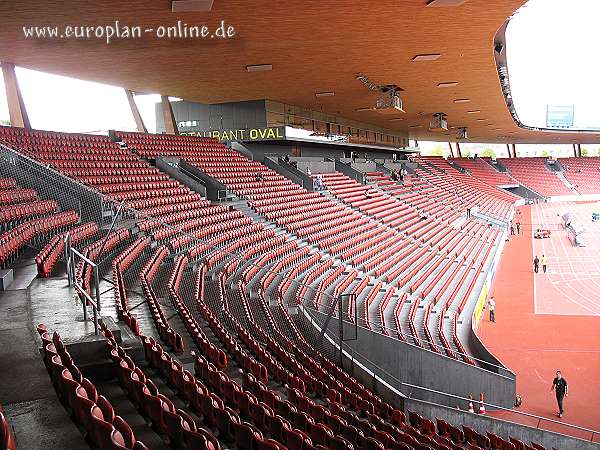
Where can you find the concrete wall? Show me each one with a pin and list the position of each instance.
(226, 116)
(345, 168)
(402, 364)
(165, 164)
(364, 166)
(289, 172)
(213, 188)
(316, 166)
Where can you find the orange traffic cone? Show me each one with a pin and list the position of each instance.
(481, 405)
(471, 409)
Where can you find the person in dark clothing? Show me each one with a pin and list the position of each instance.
(536, 264)
(468, 212)
(559, 385)
(518, 227)
(259, 176)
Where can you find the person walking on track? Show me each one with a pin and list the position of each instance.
(492, 308)
(536, 264)
(544, 262)
(559, 385)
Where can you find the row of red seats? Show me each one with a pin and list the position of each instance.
(147, 275)
(215, 355)
(8, 183)
(178, 425)
(105, 429)
(12, 213)
(13, 240)
(95, 250)
(17, 196)
(122, 262)
(54, 250)
(7, 437)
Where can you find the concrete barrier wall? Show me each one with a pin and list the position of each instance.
(404, 364)
(316, 166)
(163, 163)
(364, 166)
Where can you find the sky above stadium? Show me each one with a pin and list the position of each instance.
(552, 60)
(552, 53)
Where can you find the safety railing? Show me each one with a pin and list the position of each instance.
(72, 255)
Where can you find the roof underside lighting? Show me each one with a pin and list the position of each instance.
(445, 84)
(475, 111)
(395, 119)
(324, 94)
(462, 100)
(259, 67)
(191, 5)
(445, 3)
(426, 57)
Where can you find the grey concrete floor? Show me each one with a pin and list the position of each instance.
(31, 405)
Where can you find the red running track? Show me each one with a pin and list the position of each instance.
(534, 346)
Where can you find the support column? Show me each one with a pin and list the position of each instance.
(514, 150)
(451, 151)
(16, 106)
(579, 150)
(169, 117)
(458, 152)
(135, 112)
(508, 150)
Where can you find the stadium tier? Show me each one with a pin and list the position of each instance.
(208, 289)
(534, 173)
(582, 173)
(483, 169)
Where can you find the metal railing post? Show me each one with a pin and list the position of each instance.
(68, 257)
(97, 283)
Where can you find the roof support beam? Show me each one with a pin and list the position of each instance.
(170, 124)
(458, 152)
(514, 150)
(16, 106)
(451, 151)
(135, 112)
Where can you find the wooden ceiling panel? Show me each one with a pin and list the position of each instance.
(314, 46)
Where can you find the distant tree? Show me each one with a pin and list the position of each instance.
(5, 122)
(545, 154)
(488, 153)
(584, 151)
(466, 154)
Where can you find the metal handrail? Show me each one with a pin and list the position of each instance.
(96, 304)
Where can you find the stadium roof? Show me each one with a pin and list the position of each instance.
(312, 46)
